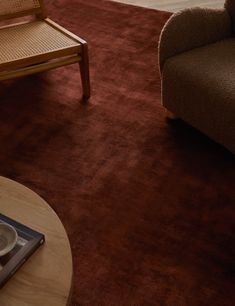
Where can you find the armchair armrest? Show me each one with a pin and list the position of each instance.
(192, 28)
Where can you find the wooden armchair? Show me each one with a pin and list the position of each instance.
(39, 44)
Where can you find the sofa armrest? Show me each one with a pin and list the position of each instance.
(192, 28)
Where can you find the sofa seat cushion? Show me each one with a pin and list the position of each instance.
(199, 86)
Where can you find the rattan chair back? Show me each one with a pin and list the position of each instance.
(16, 8)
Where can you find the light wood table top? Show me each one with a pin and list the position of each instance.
(46, 277)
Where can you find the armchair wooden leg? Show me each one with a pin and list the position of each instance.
(170, 115)
(84, 70)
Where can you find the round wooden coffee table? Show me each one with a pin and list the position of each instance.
(46, 277)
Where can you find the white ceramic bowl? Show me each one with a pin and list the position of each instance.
(8, 238)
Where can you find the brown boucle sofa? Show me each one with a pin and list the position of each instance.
(197, 64)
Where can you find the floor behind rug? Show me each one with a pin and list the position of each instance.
(174, 5)
(148, 205)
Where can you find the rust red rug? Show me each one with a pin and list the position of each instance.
(148, 205)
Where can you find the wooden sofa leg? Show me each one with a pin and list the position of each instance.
(170, 115)
(84, 70)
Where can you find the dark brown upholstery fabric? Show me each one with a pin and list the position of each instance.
(230, 6)
(196, 55)
(198, 86)
(192, 28)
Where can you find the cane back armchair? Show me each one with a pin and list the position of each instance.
(39, 44)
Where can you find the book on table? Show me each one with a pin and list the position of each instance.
(27, 243)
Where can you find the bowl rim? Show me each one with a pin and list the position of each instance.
(11, 245)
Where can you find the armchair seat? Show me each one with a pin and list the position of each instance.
(28, 43)
(203, 81)
(208, 66)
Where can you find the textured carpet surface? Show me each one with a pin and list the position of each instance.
(148, 205)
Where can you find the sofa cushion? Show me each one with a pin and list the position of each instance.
(199, 86)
